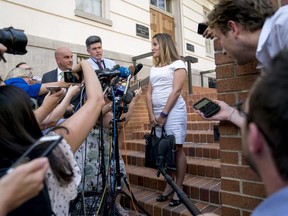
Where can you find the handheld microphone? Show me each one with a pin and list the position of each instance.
(124, 72)
(135, 69)
(138, 68)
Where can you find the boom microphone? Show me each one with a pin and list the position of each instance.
(162, 151)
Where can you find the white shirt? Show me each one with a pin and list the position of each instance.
(59, 77)
(273, 37)
(106, 63)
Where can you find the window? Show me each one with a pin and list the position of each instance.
(90, 6)
(162, 4)
(96, 10)
(208, 42)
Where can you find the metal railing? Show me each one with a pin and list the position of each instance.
(205, 72)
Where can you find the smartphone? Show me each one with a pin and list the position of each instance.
(53, 89)
(201, 28)
(71, 77)
(41, 148)
(207, 107)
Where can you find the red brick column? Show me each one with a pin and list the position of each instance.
(242, 190)
(284, 2)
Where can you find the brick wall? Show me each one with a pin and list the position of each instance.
(242, 190)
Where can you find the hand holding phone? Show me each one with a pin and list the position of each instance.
(71, 77)
(53, 89)
(41, 148)
(207, 107)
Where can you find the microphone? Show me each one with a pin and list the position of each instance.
(138, 68)
(106, 70)
(162, 151)
(122, 72)
(135, 69)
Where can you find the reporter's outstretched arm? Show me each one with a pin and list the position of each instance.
(49, 103)
(60, 110)
(226, 113)
(80, 123)
(23, 183)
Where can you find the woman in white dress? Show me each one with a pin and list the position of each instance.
(166, 106)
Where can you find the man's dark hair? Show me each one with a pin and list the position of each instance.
(21, 63)
(251, 14)
(92, 39)
(268, 108)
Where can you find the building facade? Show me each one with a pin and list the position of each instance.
(125, 26)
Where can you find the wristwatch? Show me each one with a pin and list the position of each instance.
(163, 115)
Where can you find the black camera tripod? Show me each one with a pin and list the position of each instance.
(119, 106)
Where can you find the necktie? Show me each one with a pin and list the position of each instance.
(99, 63)
(61, 75)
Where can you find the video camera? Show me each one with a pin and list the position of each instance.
(14, 39)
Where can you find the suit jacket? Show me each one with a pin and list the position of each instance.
(51, 76)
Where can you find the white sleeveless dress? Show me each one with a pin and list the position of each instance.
(161, 79)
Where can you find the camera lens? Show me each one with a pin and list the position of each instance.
(14, 39)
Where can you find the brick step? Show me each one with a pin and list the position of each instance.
(199, 188)
(193, 116)
(192, 125)
(201, 125)
(195, 166)
(146, 198)
(191, 149)
(191, 136)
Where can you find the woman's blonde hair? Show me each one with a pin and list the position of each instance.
(167, 50)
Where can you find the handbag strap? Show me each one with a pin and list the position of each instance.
(163, 132)
(153, 131)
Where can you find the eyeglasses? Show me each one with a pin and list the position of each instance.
(249, 118)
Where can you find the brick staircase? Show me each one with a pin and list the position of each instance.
(202, 180)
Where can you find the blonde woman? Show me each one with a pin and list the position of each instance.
(165, 105)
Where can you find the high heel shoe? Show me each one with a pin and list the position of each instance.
(163, 198)
(174, 202)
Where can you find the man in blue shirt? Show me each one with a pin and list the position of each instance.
(265, 138)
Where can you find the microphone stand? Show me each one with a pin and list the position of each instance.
(116, 107)
(182, 196)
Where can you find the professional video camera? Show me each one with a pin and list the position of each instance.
(14, 39)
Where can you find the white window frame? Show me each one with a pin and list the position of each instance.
(101, 18)
(166, 2)
(209, 45)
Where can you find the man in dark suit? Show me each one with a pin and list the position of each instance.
(64, 60)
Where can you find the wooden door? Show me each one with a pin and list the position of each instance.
(161, 23)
